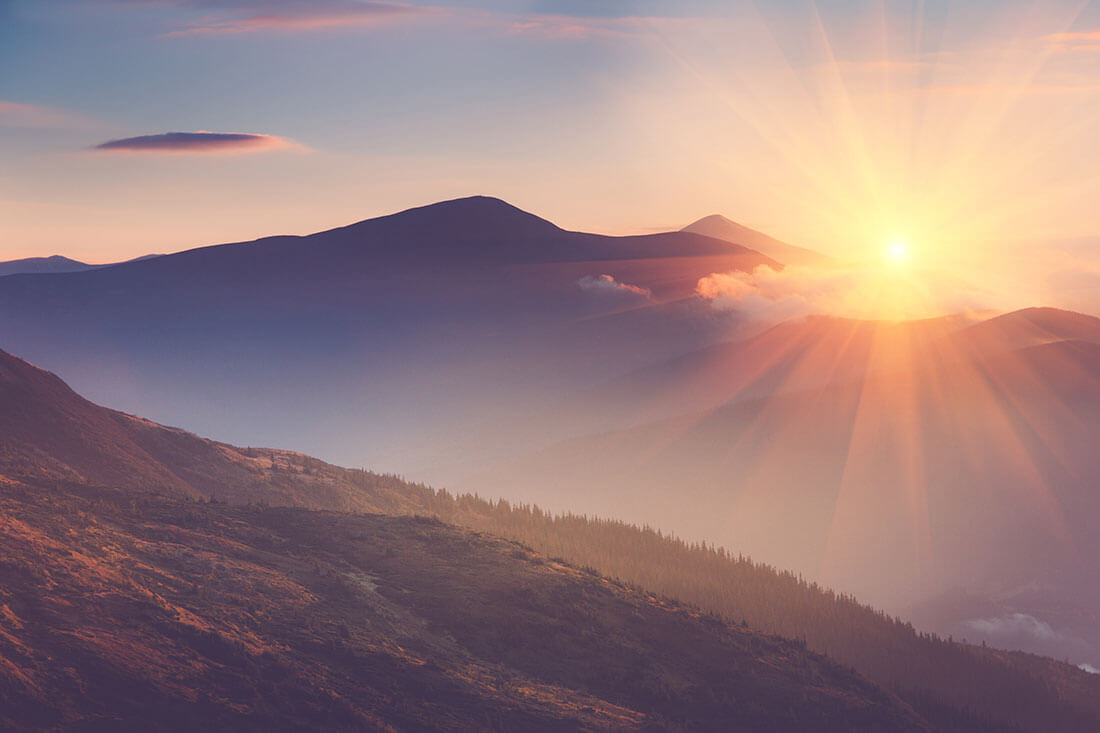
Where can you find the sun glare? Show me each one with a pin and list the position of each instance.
(897, 252)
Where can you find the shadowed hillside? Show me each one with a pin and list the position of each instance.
(119, 614)
(172, 549)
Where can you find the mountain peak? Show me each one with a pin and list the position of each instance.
(51, 264)
(715, 224)
(469, 217)
(721, 227)
(713, 219)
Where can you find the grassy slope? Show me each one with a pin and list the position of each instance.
(131, 613)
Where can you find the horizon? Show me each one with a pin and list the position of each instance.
(884, 122)
(881, 286)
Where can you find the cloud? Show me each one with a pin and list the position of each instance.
(1088, 668)
(845, 291)
(1075, 40)
(1035, 88)
(769, 294)
(549, 20)
(1015, 624)
(605, 284)
(17, 114)
(201, 142)
(281, 16)
(231, 17)
(565, 27)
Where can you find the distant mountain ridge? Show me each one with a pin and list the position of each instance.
(54, 264)
(459, 305)
(720, 227)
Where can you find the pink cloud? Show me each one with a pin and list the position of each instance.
(1038, 88)
(17, 114)
(201, 142)
(572, 27)
(1092, 36)
(281, 16)
(1075, 41)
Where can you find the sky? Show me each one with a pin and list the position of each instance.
(965, 130)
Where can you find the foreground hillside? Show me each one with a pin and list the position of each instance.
(52, 434)
(119, 613)
(56, 448)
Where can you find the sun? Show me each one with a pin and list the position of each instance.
(897, 252)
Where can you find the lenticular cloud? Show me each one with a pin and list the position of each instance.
(195, 142)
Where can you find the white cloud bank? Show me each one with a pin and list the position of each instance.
(849, 292)
(607, 285)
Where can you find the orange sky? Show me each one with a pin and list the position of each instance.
(961, 129)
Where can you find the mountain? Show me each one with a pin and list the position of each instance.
(137, 607)
(971, 468)
(720, 227)
(375, 335)
(175, 616)
(793, 355)
(812, 352)
(52, 264)
(128, 604)
(1028, 327)
(50, 435)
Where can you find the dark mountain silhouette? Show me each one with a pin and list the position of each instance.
(129, 605)
(720, 227)
(422, 322)
(52, 264)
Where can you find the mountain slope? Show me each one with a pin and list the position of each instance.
(67, 538)
(790, 356)
(965, 473)
(176, 616)
(720, 227)
(120, 609)
(51, 434)
(812, 352)
(1024, 328)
